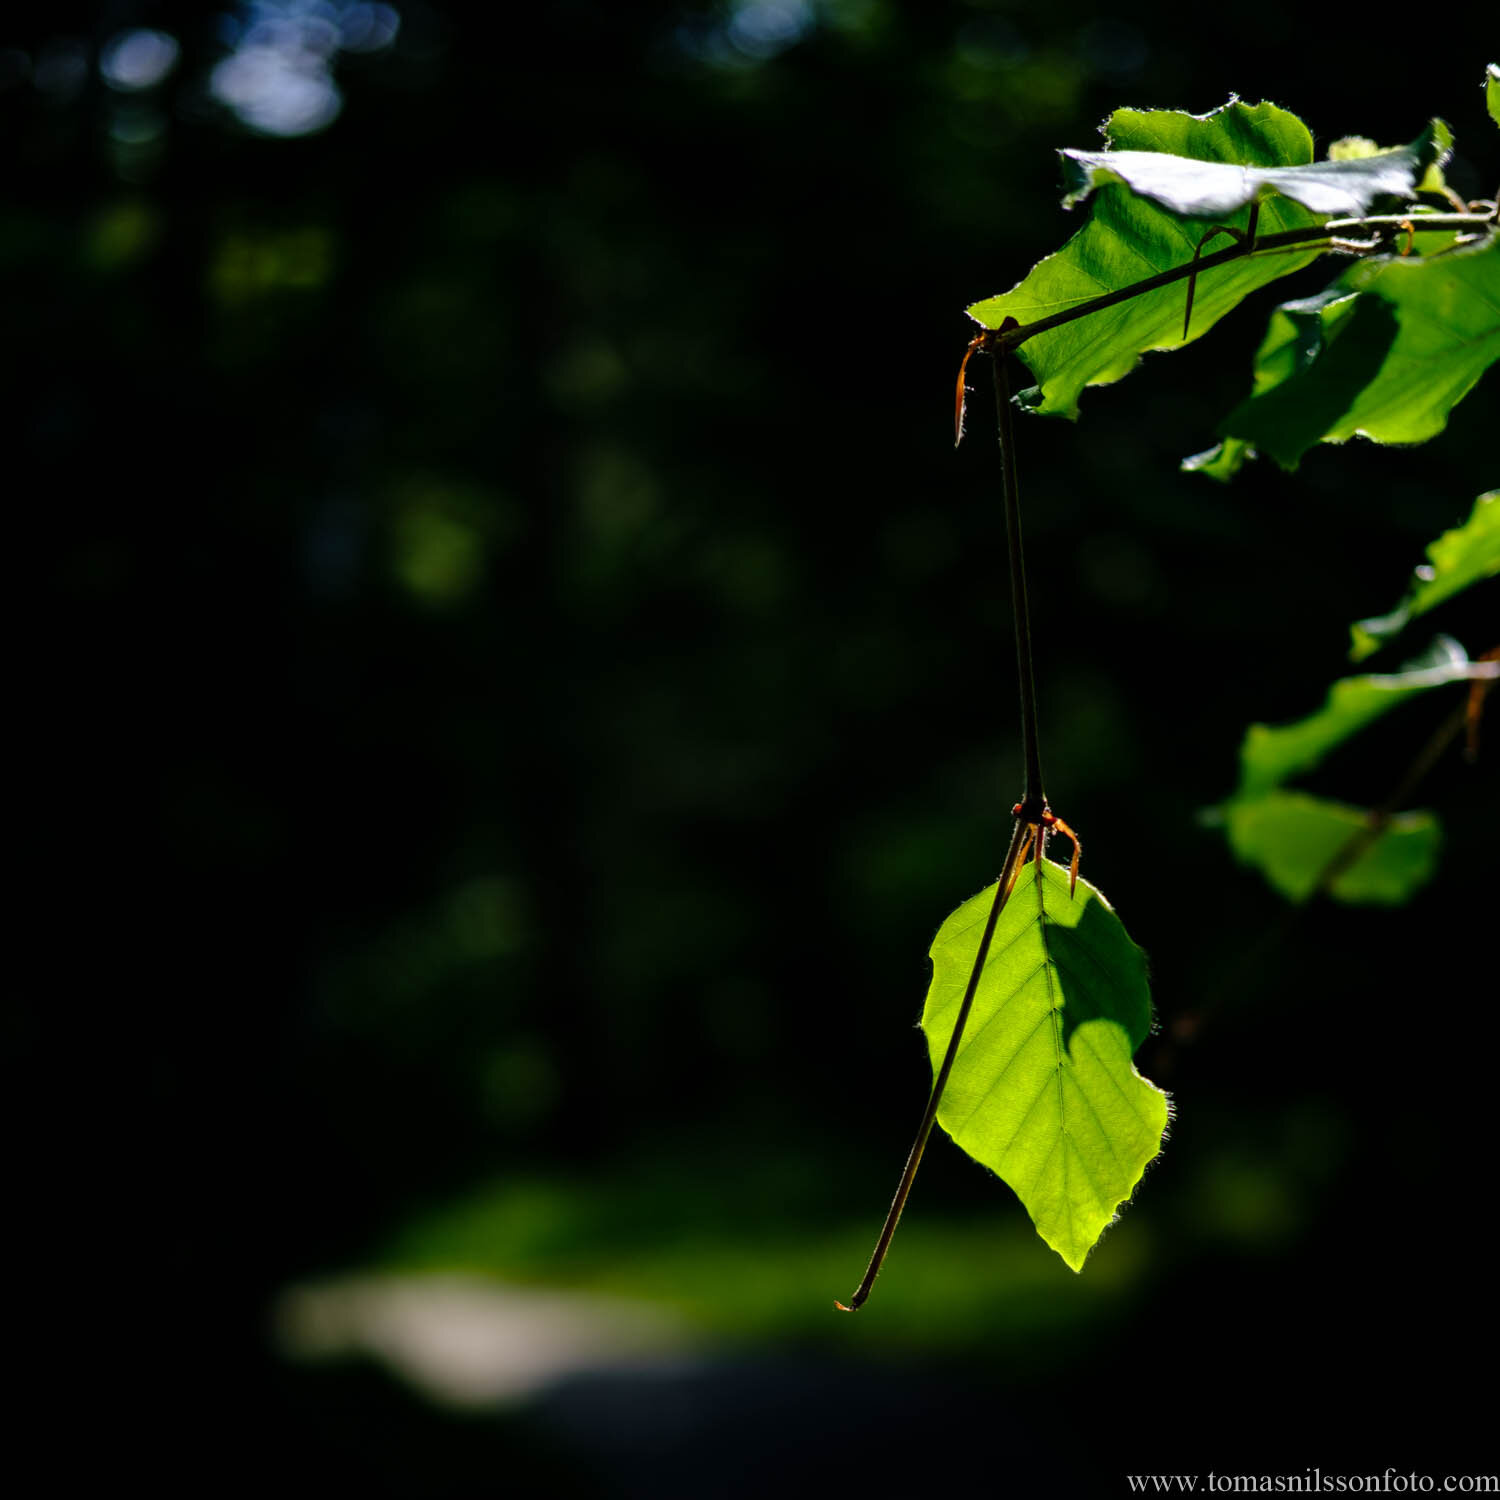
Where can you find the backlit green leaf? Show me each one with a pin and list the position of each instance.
(1492, 91)
(1292, 839)
(1270, 756)
(1386, 353)
(1129, 238)
(1043, 1090)
(1456, 560)
(1348, 187)
(1318, 355)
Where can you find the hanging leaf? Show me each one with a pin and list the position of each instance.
(1129, 238)
(1043, 1090)
(1346, 188)
(1270, 756)
(1492, 91)
(1293, 838)
(1456, 560)
(1385, 353)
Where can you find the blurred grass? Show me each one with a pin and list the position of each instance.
(735, 1266)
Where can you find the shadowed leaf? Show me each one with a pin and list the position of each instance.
(1333, 366)
(1319, 354)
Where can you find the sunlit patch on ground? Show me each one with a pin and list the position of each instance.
(468, 1342)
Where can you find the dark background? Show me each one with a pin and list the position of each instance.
(521, 676)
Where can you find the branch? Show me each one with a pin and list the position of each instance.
(1010, 339)
(1034, 799)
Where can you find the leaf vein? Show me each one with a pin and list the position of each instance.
(1021, 1046)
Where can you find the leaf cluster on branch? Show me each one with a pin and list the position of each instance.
(1039, 998)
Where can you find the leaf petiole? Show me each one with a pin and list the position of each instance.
(1015, 856)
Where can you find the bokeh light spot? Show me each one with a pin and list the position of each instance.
(138, 59)
(121, 235)
(438, 558)
(762, 28)
(250, 266)
(485, 918)
(278, 79)
(278, 91)
(367, 28)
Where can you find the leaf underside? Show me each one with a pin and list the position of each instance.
(1129, 238)
(1456, 560)
(1043, 1090)
(1348, 187)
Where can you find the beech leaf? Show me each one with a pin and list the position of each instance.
(1043, 1090)
(1292, 838)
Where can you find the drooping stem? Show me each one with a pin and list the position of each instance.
(1027, 825)
(1034, 800)
(1019, 842)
